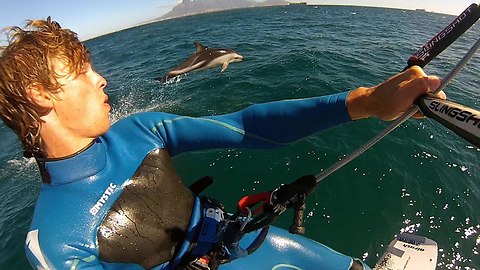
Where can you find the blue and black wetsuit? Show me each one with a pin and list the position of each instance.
(118, 203)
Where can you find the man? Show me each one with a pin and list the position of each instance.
(111, 198)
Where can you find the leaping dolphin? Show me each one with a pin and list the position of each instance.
(204, 58)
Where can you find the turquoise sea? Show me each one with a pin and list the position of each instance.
(422, 178)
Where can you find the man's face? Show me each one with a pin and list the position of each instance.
(81, 105)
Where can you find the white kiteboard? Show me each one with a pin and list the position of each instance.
(409, 252)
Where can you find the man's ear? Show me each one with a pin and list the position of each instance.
(40, 96)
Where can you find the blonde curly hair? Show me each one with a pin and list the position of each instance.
(27, 62)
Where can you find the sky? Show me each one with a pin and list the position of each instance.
(91, 18)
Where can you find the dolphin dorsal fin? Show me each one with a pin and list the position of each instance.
(199, 47)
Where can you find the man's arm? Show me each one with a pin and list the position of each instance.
(282, 122)
(263, 125)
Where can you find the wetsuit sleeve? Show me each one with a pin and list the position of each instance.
(264, 125)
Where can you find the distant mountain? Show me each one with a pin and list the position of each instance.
(191, 7)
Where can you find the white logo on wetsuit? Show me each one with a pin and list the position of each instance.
(103, 199)
(215, 214)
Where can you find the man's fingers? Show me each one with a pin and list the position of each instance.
(442, 95)
(422, 85)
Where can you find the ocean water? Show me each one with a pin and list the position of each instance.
(422, 178)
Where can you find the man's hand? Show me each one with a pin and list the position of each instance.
(390, 99)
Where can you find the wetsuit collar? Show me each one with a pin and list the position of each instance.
(83, 164)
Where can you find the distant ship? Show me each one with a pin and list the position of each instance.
(298, 3)
(420, 9)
